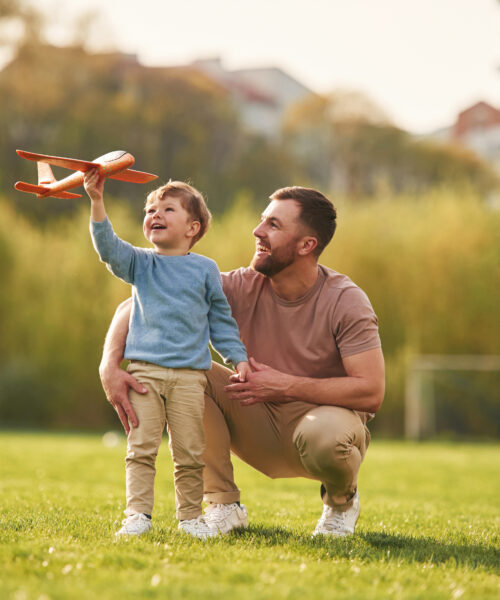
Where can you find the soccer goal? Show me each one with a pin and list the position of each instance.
(469, 377)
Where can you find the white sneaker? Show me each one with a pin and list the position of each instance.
(226, 517)
(135, 525)
(198, 528)
(334, 522)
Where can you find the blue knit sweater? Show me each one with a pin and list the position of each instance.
(178, 304)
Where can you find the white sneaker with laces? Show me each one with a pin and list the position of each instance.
(198, 528)
(226, 517)
(334, 522)
(135, 525)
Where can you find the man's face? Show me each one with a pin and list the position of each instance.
(276, 236)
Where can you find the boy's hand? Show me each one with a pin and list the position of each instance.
(243, 369)
(94, 185)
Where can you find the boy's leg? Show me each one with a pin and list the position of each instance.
(184, 408)
(143, 441)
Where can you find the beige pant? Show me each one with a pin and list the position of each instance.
(294, 439)
(175, 398)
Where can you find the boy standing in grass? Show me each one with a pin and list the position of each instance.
(178, 306)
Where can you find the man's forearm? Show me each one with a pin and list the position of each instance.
(115, 381)
(361, 389)
(114, 344)
(348, 392)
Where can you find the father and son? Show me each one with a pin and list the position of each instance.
(303, 339)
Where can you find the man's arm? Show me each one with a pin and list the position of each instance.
(362, 389)
(115, 381)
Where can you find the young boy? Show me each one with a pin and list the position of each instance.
(178, 306)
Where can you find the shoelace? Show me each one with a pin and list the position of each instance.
(332, 520)
(218, 512)
(131, 519)
(198, 523)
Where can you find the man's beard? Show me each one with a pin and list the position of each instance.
(272, 264)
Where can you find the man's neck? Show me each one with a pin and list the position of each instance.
(294, 281)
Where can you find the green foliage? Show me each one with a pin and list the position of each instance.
(355, 154)
(429, 265)
(421, 535)
(178, 123)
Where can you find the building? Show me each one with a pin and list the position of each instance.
(261, 95)
(477, 128)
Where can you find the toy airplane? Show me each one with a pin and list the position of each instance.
(114, 165)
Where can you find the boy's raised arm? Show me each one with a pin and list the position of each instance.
(94, 186)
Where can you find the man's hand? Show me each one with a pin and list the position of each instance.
(264, 384)
(116, 383)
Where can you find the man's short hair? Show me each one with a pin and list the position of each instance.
(317, 213)
(191, 200)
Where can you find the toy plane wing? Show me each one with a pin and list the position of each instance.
(59, 161)
(134, 176)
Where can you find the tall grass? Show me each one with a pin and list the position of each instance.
(430, 265)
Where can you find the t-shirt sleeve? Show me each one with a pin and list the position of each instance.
(355, 324)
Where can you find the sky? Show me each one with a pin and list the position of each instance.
(421, 61)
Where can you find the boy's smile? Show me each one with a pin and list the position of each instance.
(168, 226)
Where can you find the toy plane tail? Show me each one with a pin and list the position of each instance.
(45, 174)
(41, 190)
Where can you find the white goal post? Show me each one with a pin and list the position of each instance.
(420, 410)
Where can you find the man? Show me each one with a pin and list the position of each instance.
(318, 369)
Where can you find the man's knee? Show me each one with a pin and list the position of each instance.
(329, 434)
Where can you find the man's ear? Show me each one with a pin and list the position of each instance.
(194, 229)
(307, 245)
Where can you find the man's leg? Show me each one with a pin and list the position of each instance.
(251, 432)
(332, 442)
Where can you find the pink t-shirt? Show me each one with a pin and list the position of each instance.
(305, 337)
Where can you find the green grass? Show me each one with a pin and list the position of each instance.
(428, 529)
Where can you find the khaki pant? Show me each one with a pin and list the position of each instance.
(175, 398)
(294, 439)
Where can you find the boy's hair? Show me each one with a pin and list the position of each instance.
(317, 213)
(191, 200)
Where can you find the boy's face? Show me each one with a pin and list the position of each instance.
(168, 226)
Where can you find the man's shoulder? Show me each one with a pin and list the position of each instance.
(242, 281)
(337, 282)
(243, 274)
(342, 292)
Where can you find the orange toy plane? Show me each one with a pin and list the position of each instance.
(114, 165)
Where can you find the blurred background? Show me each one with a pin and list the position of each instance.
(392, 109)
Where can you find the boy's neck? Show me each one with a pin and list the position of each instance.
(171, 251)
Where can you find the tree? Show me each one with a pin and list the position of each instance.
(178, 123)
(350, 147)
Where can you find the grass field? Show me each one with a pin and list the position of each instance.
(429, 528)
